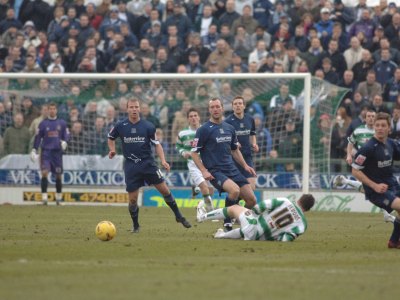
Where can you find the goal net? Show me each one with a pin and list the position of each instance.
(294, 116)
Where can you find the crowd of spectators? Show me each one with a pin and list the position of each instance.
(352, 47)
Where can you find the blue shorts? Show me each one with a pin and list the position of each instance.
(384, 200)
(138, 175)
(51, 160)
(246, 174)
(221, 177)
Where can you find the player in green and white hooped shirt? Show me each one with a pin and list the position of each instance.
(184, 146)
(356, 140)
(276, 219)
(360, 135)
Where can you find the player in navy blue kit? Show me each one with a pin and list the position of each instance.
(217, 144)
(373, 167)
(51, 137)
(140, 167)
(246, 133)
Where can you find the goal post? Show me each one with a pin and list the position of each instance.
(286, 155)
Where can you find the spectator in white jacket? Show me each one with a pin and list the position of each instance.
(353, 54)
(259, 54)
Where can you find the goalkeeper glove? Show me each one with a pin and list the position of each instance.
(34, 155)
(64, 145)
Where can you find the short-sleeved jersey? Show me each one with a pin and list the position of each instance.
(360, 136)
(375, 160)
(50, 133)
(136, 139)
(185, 140)
(214, 142)
(279, 219)
(244, 128)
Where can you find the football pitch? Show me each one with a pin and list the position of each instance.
(52, 253)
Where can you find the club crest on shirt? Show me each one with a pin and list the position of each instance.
(360, 159)
(221, 130)
(133, 130)
(58, 127)
(386, 151)
(241, 125)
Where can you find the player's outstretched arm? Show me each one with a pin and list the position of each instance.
(264, 205)
(253, 142)
(160, 153)
(111, 148)
(196, 158)
(349, 156)
(287, 237)
(237, 155)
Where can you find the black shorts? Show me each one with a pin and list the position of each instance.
(221, 177)
(138, 175)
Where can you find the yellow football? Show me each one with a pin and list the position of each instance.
(105, 231)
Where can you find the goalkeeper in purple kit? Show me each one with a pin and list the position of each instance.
(51, 138)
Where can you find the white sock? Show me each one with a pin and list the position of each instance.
(44, 197)
(58, 196)
(388, 217)
(208, 202)
(217, 214)
(353, 183)
(233, 234)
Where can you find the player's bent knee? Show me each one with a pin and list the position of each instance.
(133, 197)
(234, 193)
(235, 211)
(250, 203)
(133, 201)
(163, 188)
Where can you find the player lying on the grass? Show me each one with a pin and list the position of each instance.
(137, 137)
(360, 136)
(276, 219)
(184, 145)
(373, 166)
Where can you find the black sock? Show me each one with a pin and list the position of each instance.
(58, 185)
(134, 211)
(172, 204)
(43, 184)
(396, 230)
(228, 202)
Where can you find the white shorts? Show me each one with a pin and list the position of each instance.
(195, 173)
(249, 230)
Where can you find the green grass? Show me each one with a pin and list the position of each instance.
(52, 253)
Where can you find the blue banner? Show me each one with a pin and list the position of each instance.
(70, 177)
(174, 179)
